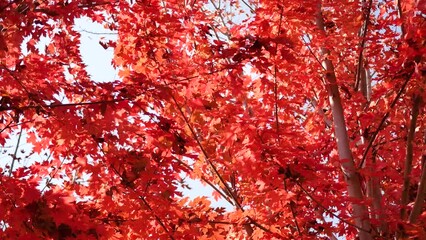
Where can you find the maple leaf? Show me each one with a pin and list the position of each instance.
(229, 93)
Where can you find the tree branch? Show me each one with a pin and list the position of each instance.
(409, 155)
(312, 53)
(401, 17)
(208, 182)
(51, 176)
(374, 192)
(213, 167)
(421, 194)
(382, 122)
(363, 34)
(7, 126)
(293, 212)
(58, 105)
(156, 217)
(14, 154)
(329, 211)
(6, 6)
(249, 6)
(206, 155)
(277, 125)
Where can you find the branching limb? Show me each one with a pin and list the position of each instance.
(382, 122)
(206, 155)
(7, 126)
(401, 16)
(214, 169)
(145, 202)
(312, 52)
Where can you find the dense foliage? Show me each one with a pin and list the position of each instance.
(307, 116)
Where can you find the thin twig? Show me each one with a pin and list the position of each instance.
(216, 172)
(401, 17)
(93, 4)
(6, 127)
(58, 105)
(249, 6)
(293, 212)
(327, 210)
(158, 219)
(51, 176)
(312, 53)
(208, 182)
(98, 33)
(16, 152)
(277, 125)
(382, 122)
(17, 80)
(7, 5)
(221, 18)
(206, 155)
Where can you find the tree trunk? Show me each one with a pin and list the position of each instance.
(351, 176)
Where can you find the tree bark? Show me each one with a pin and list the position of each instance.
(365, 83)
(350, 173)
(409, 156)
(420, 198)
(375, 194)
(421, 191)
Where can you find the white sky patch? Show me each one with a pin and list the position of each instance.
(198, 189)
(97, 59)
